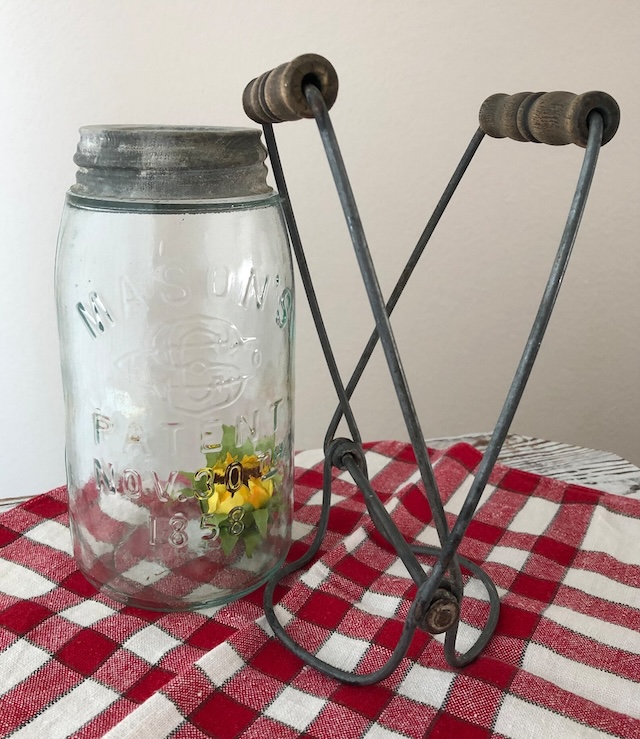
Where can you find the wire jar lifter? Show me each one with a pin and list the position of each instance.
(307, 87)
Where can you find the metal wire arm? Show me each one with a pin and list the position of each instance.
(307, 87)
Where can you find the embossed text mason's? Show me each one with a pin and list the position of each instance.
(175, 303)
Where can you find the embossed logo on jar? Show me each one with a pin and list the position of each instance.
(198, 365)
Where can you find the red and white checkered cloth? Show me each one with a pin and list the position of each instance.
(564, 661)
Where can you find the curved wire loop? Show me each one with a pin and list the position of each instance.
(385, 525)
(348, 453)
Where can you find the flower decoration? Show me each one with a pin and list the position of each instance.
(237, 491)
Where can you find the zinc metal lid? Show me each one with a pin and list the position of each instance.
(169, 163)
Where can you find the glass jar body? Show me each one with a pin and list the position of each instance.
(176, 334)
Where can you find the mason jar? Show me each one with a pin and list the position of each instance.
(175, 301)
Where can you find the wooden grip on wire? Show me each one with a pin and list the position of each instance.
(555, 118)
(278, 95)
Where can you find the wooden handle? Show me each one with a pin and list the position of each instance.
(554, 118)
(278, 95)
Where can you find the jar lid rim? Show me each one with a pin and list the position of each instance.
(163, 127)
(129, 161)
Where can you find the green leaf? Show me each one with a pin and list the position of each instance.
(213, 458)
(187, 493)
(201, 485)
(228, 445)
(261, 517)
(247, 519)
(266, 444)
(245, 450)
(216, 518)
(227, 542)
(251, 541)
(276, 501)
(228, 438)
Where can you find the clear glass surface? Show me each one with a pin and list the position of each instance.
(176, 334)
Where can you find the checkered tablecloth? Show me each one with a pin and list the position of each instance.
(564, 661)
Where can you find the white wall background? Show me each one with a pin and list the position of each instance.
(413, 75)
